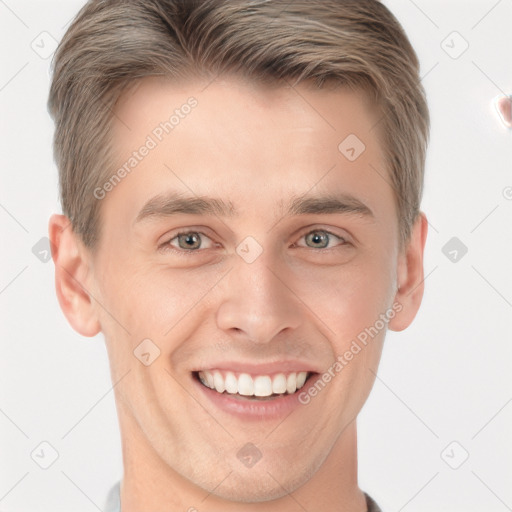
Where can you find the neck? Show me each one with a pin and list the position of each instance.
(150, 484)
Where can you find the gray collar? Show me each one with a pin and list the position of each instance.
(113, 503)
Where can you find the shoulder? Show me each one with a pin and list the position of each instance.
(113, 501)
(371, 505)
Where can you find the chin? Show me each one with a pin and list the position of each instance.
(261, 487)
(255, 492)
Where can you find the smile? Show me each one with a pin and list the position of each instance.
(245, 384)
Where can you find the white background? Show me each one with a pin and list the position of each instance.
(445, 379)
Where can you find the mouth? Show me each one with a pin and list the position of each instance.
(246, 386)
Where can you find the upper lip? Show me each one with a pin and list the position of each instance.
(267, 368)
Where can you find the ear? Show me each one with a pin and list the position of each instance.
(410, 276)
(71, 271)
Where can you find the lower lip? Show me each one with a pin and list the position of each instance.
(254, 409)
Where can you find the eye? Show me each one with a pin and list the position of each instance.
(322, 239)
(194, 241)
(189, 241)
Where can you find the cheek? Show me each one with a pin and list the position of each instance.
(349, 298)
(152, 300)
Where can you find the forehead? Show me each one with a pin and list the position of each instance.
(256, 145)
(249, 104)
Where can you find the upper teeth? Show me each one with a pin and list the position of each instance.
(248, 385)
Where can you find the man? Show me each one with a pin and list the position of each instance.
(241, 183)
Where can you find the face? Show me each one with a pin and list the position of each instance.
(251, 245)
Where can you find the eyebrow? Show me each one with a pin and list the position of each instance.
(173, 203)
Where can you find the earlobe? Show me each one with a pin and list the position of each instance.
(71, 271)
(410, 276)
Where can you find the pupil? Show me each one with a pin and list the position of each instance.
(318, 238)
(191, 240)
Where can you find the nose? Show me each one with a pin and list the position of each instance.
(257, 303)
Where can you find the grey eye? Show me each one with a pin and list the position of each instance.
(190, 240)
(319, 239)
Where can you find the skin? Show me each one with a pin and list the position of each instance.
(255, 147)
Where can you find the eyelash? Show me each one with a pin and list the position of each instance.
(167, 247)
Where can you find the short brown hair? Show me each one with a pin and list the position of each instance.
(113, 43)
